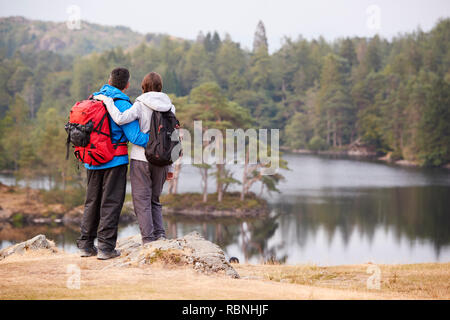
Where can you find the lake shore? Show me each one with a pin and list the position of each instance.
(21, 206)
(37, 275)
(360, 154)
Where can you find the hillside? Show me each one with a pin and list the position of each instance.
(19, 33)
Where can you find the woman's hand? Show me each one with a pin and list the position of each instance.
(105, 99)
(169, 176)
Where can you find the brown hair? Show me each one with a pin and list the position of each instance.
(152, 82)
(119, 78)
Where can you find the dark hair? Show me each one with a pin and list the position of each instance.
(119, 78)
(152, 82)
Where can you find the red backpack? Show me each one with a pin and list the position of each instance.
(89, 131)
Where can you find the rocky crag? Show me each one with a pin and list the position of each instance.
(192, 250)
(39, 242)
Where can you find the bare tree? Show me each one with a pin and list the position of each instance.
(173, 184)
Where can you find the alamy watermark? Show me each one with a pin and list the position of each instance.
(374, 281)
(238, 146)
(373, 21)
(73, 277)
(73, 22)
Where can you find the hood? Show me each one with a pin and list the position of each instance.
(112, 92)
(157, 101)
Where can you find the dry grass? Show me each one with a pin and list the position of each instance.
(44, 276)
(167, 258)
(413, 281)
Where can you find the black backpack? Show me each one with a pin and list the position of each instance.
(164, 145)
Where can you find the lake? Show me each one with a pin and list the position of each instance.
(329, 212)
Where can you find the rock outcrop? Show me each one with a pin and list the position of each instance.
(39, 242)
(192, 249)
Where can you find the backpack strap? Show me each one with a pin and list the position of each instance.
(68, 145)
(120, 147)
(91, 97)
(115, 99)
(120, 143)
(100, 124)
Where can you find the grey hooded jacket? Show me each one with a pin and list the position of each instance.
(142, 110)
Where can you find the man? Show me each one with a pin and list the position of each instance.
(106, 183)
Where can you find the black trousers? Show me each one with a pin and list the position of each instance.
(105, 195)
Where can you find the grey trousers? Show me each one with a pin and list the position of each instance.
(147, 182)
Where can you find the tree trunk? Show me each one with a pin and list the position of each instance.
(339, 134)
(328, 132)
(173, 184)
(205, 184)
(334, 134)
(219, 182)
(262, 190)
(283, 89)
(244, 242)
(172, 227)
(244, 177)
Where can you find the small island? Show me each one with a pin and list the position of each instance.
(22, 206)
(231, 206)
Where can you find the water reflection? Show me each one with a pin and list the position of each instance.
(388, 225)
(329, 212)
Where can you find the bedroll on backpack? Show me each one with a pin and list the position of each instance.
(89, 131)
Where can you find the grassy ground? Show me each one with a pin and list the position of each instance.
(427, 281)
(44, 276)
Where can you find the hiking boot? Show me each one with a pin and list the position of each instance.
(88, 252)
(105, 255)
(161, 237)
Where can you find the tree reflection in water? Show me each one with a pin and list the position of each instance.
(312, 227)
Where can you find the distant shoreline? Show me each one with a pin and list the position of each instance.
(360, 154)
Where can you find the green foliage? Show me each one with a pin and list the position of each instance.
(70, 197)
(434, 126)
(18, 220)
(27, 160)
(15, 127)
(298, 130)
(317, 143)
(391, 96)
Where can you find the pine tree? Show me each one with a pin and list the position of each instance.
(335, 103)
(348, 52)
(260, 38)
(434, 129)
(15, 128)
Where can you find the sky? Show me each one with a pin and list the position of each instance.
(331, 19)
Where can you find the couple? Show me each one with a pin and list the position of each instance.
(106, 183)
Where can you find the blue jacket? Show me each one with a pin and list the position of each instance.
(131, 131)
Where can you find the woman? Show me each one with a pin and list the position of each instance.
(147, 180)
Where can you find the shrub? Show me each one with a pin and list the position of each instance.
(317, 143)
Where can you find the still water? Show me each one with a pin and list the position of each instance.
(329, 212)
